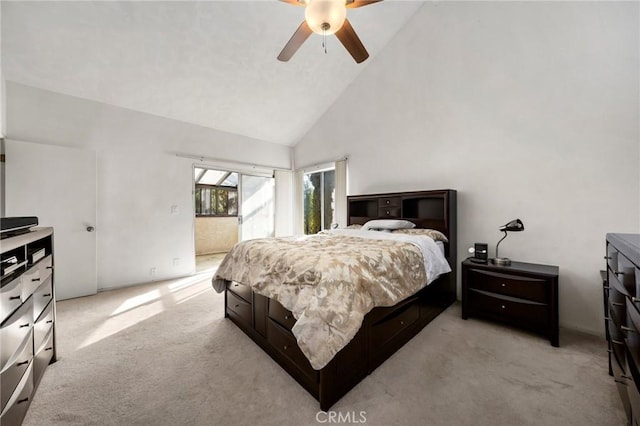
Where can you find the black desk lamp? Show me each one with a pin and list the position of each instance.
(515, 225)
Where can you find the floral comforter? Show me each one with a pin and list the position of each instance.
(331, 280)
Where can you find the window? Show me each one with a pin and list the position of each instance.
(216, 201)
(216, 192)
(319, 200)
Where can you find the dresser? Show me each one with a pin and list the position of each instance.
(622, 318)
(521, 294)
(27, 319)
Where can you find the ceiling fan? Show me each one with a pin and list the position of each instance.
(327, 17)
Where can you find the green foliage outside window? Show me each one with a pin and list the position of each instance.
(318, 192)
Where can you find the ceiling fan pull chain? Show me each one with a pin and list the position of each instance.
(324, 40)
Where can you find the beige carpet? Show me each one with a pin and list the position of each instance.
(163, 354)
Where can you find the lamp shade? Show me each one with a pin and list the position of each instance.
(325, 16)
(515, 225)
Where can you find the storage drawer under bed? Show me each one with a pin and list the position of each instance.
(285, 343)
(281, 315)
(393, 324)
(240, 309)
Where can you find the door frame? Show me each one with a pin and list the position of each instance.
(249, 171)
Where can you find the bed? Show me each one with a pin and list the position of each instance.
(328, 370)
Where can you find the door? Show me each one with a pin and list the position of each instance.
(58, 185)
(257, 199)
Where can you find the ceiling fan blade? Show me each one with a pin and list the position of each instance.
(295, 2)
(302, 33)
(351, 42)
(352, 4)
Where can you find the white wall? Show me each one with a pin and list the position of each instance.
(529, 110)
(3, 122)
(3, 104)
(139, 176)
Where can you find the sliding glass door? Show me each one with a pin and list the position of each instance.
(257, 209)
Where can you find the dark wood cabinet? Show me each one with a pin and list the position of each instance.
(522, 294)
(27, 319)
(621, 289)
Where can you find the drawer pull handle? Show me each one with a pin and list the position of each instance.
(285, 347)
(49, 267)
(607, 318)
(14, 298)
(20, 401)
(609, 350)
(48, 349)
(24, 325)
(620, 381)
(625, 377)
(503, 307)
(388, 212)
(287, 317)
(606, 287)
(46, 295)
(617, 304)
(237, 305)
(503, 285)
(387, 201)
(607, 257)
(635, 299)
(401, 322)
(624, 328)
(49, 322)
(619, 273)
(35, 279)
(22, 363)
(617, 342)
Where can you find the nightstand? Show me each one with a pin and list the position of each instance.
(521, 294)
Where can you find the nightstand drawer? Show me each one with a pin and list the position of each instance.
(509, 285)
(504, 307)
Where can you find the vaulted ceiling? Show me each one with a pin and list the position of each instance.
(210, 63)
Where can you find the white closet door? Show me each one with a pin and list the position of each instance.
(58, 185)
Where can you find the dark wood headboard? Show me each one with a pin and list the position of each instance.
(427, 209)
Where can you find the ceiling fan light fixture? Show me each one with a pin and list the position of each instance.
(325, 16)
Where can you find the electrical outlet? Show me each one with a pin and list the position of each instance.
(176, 261)
(152, 271)
(174, 209)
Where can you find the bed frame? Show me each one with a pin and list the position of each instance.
(384, 330)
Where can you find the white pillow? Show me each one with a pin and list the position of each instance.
(388, 224)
